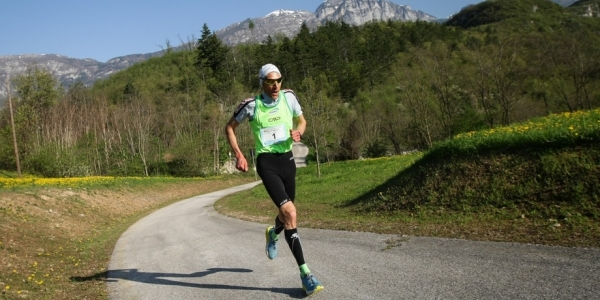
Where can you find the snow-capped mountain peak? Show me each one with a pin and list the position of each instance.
(280, 12)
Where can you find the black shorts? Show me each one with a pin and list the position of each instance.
(278, 174)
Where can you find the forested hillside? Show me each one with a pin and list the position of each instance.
(377, 89)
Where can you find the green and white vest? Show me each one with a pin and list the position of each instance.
(271, 126)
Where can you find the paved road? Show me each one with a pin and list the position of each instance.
(188, 251)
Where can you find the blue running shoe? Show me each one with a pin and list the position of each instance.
(310, 284)
(271, 247)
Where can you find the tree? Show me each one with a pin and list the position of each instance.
(37, 91)
(417, 102)
(251, 26)
(368, 110)
(211, 51)
(379, 48)
(439, 63)
(320, 112)
(500, 75)
(12, 126)
(482, 85)
(303, 48)
(576, 64)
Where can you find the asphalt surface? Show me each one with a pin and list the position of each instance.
(188, 251)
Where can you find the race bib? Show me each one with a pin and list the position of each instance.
(273, 135)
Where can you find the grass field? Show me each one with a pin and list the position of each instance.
(537, 182)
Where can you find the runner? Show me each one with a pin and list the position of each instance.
(271, 116)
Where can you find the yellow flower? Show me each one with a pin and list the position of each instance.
(7, 287)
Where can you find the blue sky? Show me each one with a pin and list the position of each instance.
(104, 29)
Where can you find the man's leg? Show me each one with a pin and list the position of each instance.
(281, 187)
(287, 213)
(278, 225)
(272, 236)
(268, 168)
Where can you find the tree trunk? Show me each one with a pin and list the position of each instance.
(12, 124)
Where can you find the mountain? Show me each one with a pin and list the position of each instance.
(588, 8)
(357, 12)
(286, 22)
(541, 14)
(277, 23)
(66, 69)
(565, 3)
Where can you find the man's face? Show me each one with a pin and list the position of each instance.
(272, 84)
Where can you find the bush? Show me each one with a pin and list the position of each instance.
(52, 161)
(376, 149)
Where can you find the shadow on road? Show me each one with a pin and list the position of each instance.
(160, 278)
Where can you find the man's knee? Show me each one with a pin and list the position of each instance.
(288, 212)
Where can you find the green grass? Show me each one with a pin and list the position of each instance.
(535, 182)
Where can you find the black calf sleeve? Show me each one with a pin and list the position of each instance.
(293, 240)
(278, 225)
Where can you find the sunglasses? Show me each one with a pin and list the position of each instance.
(272, 81)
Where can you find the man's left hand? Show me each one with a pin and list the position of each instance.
(296, 135)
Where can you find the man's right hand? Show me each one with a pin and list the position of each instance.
(241, 164)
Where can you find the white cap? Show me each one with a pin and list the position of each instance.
(265, 70)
